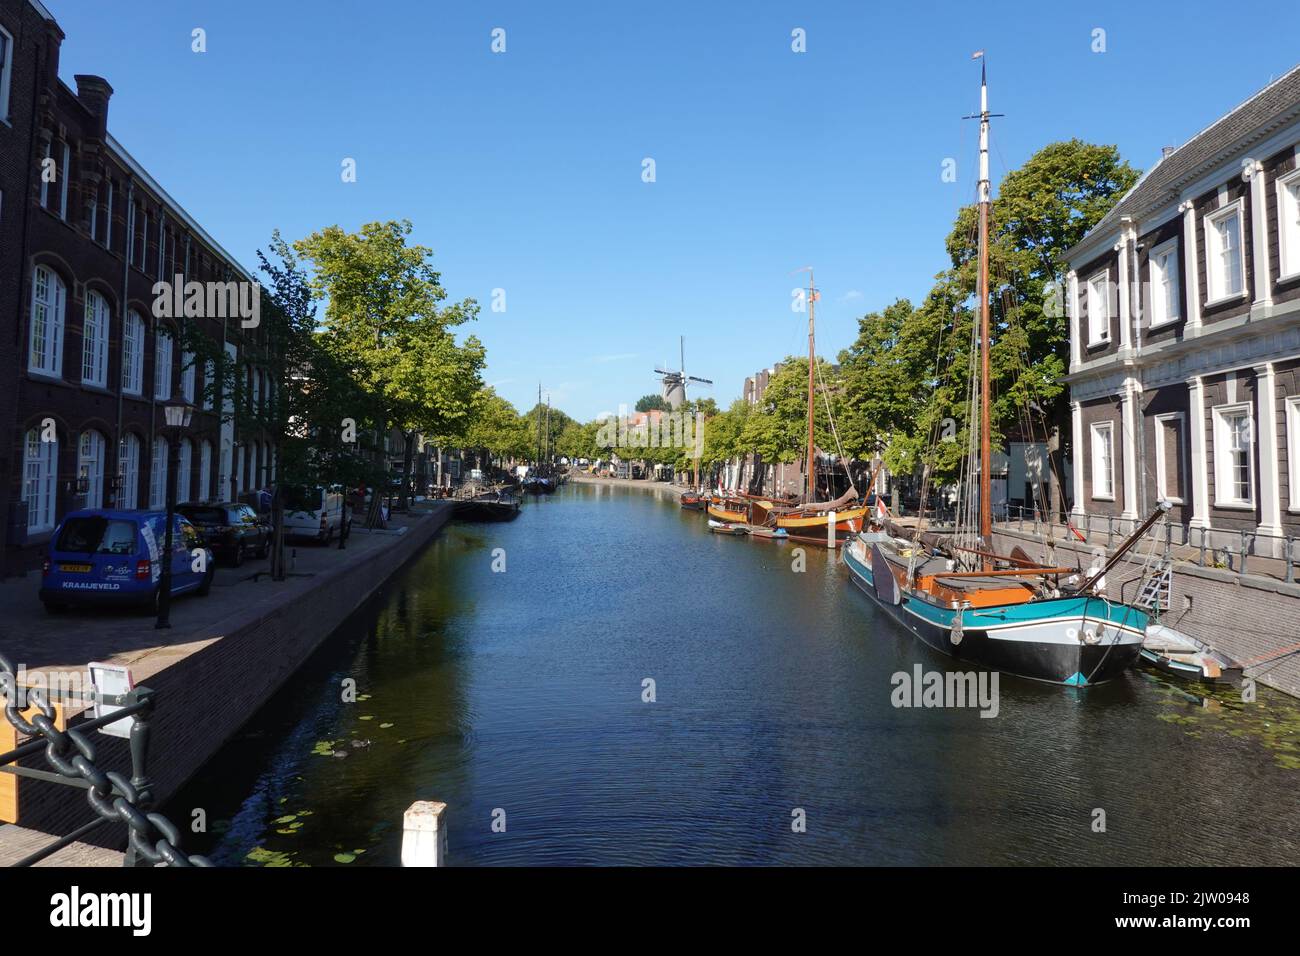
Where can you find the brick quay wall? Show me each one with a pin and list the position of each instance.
(212, 678)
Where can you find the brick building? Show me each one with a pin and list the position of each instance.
(1185, 334)
(91, 364)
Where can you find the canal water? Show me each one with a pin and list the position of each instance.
(518, 697)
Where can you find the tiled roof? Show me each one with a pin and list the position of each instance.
(1271, 107)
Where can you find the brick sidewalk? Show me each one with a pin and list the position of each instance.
(68, 641)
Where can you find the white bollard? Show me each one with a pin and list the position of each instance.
(424, 838)
(830, 531)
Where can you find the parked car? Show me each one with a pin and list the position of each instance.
(316, 513)
(231, 530)
(106, 556)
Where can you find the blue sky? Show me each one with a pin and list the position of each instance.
(522, 170)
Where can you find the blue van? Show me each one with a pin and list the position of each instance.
(105, 556)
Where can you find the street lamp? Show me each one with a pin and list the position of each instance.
(176, 415)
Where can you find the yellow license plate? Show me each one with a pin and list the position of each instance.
(83, 568)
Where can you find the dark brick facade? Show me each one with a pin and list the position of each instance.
(1233, 345)
(102, 232)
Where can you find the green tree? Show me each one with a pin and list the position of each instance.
(386, 323)
(648, 403)
(496, 427)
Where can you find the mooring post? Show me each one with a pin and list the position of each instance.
(424, 838)
(830, 531)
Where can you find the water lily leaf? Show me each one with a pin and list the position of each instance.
(344, 857)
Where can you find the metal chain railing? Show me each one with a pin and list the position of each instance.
(152, 838)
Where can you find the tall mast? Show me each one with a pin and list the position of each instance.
(812, 357)
(982, 292)
(539, 428)
(548, 435)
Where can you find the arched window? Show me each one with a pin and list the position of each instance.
(128, 470)
(162, 364)
(183, 472)
(40, 469)
(133, 354)
(187, 375)
(90, 466)
(205, 470)
(209, 377)
(49, 300)
(94, 341)
(158, 474)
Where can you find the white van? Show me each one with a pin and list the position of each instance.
(313, 513)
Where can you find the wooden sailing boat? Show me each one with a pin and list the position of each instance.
(813, 519)
(1009, 614)
(540, 481)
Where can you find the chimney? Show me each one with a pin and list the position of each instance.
(1167, 151)
(53, 41)
(94, 92)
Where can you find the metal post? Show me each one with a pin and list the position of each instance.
(1110, 531)
(1290, 566)
(165, 582)
(141, 725)
(344, 523)
(1244, 549)
(1202, 530)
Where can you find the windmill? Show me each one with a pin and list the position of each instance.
(674, 383)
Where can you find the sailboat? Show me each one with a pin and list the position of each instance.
(811, 518)
(1007, 613)
(541, 481)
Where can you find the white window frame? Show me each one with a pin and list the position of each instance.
(1098, 332)
(162, 364)
(6, 72)
(158, 473)
(40, 477)
(1171, 311)
(94, 340)
(1215, 283)
(128, 470)
(1293, 453)
(1162, 465)
(90, 462)
(133, 338)
(1095, 430)
(209, 376)
(205, 470)
(1288, 228)
(188, 361)
(45, 355)
(1223, 480)
(183, 471)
